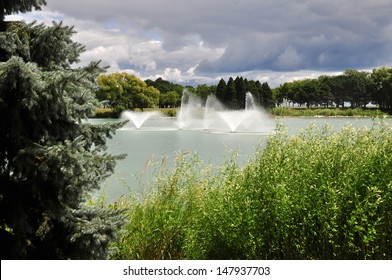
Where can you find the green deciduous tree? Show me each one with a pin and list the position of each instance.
(169, 99)
(357, 87)
(50, 159)
(125, 91)
(165, 86)
(203, 91)
(324, 96)
(382, 81)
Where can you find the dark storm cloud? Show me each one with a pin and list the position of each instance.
(276, 35)
(211, 38)
(308, 36)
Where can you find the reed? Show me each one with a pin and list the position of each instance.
(319, 194)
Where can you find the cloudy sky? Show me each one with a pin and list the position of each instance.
(201, 41)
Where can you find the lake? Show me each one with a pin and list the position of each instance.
(159, 139)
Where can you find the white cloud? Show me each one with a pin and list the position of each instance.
(289, 58)
(203, 40)
(172, 74)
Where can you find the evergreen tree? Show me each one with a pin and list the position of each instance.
(50, 160)
(257, 91)
(8, 7)
(241, 92)
(231, 95)
(221, 90)
(266, 96)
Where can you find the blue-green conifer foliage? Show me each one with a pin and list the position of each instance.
(51, 160)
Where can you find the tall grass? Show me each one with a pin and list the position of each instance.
(319, 194)
(157, 224)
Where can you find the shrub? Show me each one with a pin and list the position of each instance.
(171, 113)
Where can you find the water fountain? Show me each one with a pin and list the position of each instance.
(138, 118)
(189, 113)
(213, 116)
(210, 112)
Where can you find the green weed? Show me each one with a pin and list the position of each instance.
(319, 194)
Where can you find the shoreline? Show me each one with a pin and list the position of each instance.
(327, 117)
(279, 112)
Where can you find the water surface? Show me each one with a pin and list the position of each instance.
(159, 140)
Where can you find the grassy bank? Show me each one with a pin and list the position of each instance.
(326, 112)
(110, 113)
(320, 194)
(278, 111)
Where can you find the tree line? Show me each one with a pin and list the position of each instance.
(124, 91)
(353, 88)
(232, 94)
